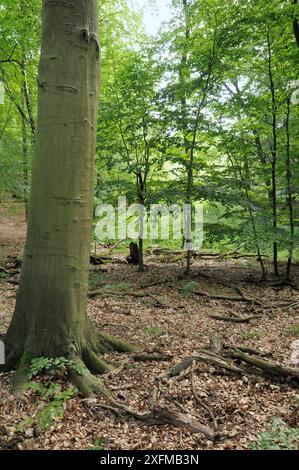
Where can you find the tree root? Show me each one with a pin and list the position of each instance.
(84, 355)
(87, 384)
(95, 363)
(106, 343)
(160, 416)
(21, 379)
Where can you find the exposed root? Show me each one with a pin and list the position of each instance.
(107, 343)
(160, 416)
(21, 378)
(95, 363)
(87, 384)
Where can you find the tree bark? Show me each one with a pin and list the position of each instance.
(290, 192)
(274, 156)
(296, 25)
(141, 191)
(50, 314)
(25, 165)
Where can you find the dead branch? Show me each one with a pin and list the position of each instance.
(185, 364)
(255, 352)
(201, 402)
(159, 416)
(235, 319)
(218, 361)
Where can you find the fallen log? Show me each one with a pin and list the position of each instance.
(267, 366)
(235, 319)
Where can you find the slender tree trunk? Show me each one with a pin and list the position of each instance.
(290, 192)
(274, 158)
(252, 218)
(188, 238)
(141, 189)
(296, 25)
(185, 75)
(50, 313)
(27, 98)
(247, 186)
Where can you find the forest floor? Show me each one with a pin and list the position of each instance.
(165, 313)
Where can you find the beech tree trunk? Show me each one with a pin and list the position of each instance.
(50, 314)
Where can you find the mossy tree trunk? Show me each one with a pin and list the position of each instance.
(50, 313)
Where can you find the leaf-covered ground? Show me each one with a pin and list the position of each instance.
(170, 315)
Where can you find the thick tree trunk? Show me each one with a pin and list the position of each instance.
(50, 314)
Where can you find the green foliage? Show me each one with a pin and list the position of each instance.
(189, 287)
(55, 408)
(294, 330)
(198, 97)
(42, 365)
(252, 335)
(24, 425)
(98, 445)
(277, 437)
(153, 331)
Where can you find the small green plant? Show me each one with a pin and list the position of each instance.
(294, 330)
(98, 445)
(153, 330)
(189, 287)
(55, 408)
(4, 275)
(41, 365)
(45, 391)
(252, 335)
(277, 437)
(24, 425)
